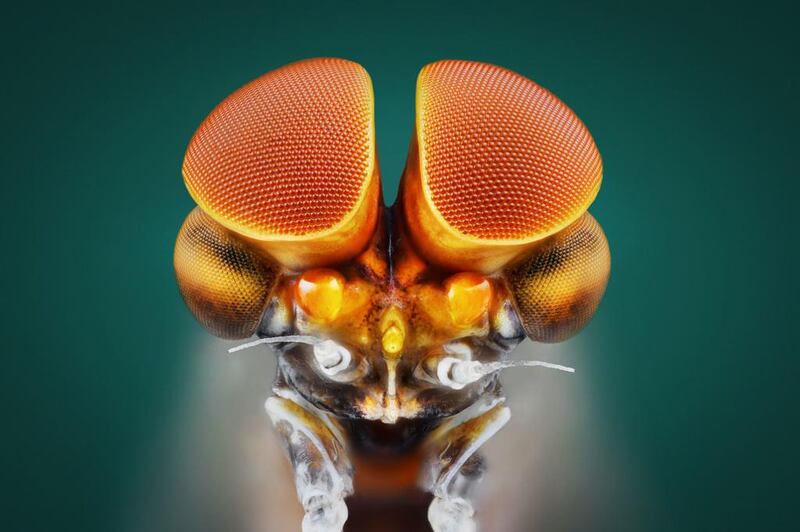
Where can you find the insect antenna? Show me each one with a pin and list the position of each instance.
(491, 367)
(457, 373)
(297, 339)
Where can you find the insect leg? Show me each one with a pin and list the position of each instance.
(454, 468)
(322, 470)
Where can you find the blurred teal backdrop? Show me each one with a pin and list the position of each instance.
(692, 356)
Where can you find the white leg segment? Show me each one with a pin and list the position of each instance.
(323, 474)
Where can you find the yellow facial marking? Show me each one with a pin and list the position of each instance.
(393, 332)
(468, 298)
(319, 293)
(392, 340)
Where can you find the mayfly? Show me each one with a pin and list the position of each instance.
(391, 324)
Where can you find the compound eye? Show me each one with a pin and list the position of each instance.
(496, 164)
(289, 161)
(468, 298)
(223, 282)
(558, 287)
(320, 293)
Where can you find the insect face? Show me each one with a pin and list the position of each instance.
(375, 349)
(395, 315)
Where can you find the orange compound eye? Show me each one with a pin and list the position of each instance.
(496, 164)
(468, 297)
(289, 161)
(320, 293)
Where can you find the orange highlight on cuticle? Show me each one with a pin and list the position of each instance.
(320, 293)
(468, 298)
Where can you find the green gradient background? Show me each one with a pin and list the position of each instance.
(694, 109)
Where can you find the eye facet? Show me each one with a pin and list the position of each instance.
(320, 293)
(496, 164)
(225, 284)
(558, 288)
(289, 161)
(468, 298)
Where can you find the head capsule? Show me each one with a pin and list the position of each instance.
(402, 313)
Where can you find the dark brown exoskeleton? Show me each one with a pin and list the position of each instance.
(391, 324)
